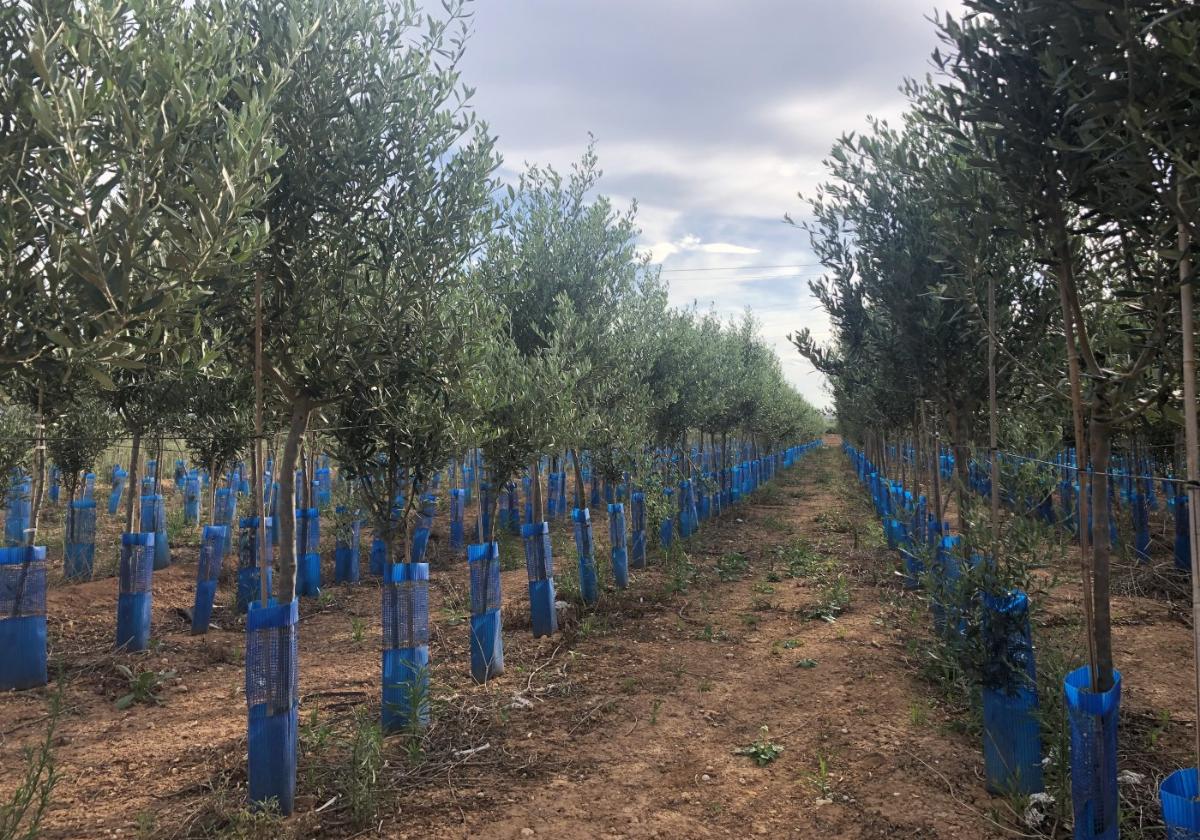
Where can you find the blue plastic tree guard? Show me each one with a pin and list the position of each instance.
(526, 490)
(420, 540)
(589, 588)
(16, 519)
(225, 513)
(154, 520)
(487, 647)
(620, 553)
(180, 474)
(55, 484)
(552, 495)
(637, 510)
(273, 700)
(208, 571)
(134, 577)
(560, 489)
(191, 498)
(308, 552)
(514, 508)
(1141, 527)
(687, 509)
(483, 521)
(89, 485)
(405, 646)
(119, 480)
(22, 617)
(378, 560)
(458, 501)
(539, 565)
(1183, 534)
(1180, 805)
(251, 563)
(147, 485)
(323, 487)
(80, 553)
(1012, 746)
(1093, 721)
(346, 552)
(594, 496)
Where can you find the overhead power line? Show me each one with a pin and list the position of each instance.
(747, 268)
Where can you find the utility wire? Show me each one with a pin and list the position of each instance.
(740, 268)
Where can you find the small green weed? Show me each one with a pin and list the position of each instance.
(761, 749)
(358, 629)
(833, 600)
(732, 567)
(144, 686)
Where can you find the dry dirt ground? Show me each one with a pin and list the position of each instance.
(626, 724)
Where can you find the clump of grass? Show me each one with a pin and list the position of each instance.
(833, 599)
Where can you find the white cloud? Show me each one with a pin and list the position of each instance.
(660, 251)
(715, 120)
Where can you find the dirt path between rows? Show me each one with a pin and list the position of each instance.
(624, 725)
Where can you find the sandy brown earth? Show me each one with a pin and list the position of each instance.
(624, 725)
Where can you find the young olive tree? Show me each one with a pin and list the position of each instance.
(127, 178)
(369, 116)
(568, 272)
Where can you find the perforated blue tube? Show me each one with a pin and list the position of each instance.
(346, 553)
(405, 646)
(324, 487)
(1180, 805)
(377, 563)
(539, 565)
(80, 554)
(308, 552)
(483, 520)
(487, 646)
(191, 498)
(1012, 747)
(22, 617)
(458, 499)
(135, 575)
(250, 563)
(514, 508)
(637, 510)
(687, 509)
(16, 519)
(616, 536)
(1093, 721)
(119, 480)
(154, 520)
(208, 571)
(1183, 533)
(272, 699)
(552, 495)
(589, 588)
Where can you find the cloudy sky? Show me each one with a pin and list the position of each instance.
(713, 114)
